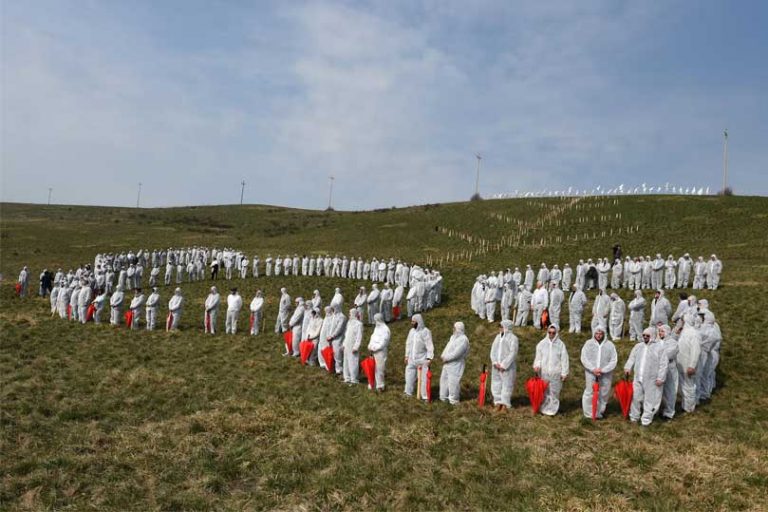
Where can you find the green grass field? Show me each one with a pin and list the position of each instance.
(96, 418)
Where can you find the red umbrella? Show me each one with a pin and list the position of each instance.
(595, 397)
(17, 287)
(128, 318)
(327, 354)
(369, 368)
(288, 337)
(69, 311)
(396, 312)
(251, 323)
(481, 395)
(429, 385)
(535, 386)
(623, 391)
(90, 312)
(545, 319)
(207, 322)
(305, 349)
(169, 321)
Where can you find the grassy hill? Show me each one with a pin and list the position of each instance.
(98, 418)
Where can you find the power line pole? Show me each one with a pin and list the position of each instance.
(242, 190)
(50, 190)
(725, 159)
(138, 196)
(330, 193)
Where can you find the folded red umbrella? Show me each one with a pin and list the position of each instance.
(69, 311)
(251, 324)
(90, 312)
(128, 318)
(169, 321)
(545, 319)
(288, 337)
(429, 385)
(327, 354)
(623, 391)
(481, 395)
(305, 349)
(368, 366)
(535, 386)
(17, 288)
(595, 397)
(207, 322)
(396, 312)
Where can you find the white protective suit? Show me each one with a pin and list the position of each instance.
(150, 309)
(234, 305)
(419, 352)
(211, 312)
(616, 317)
(137, 303)
(600, 310)
(175, 308)
(283, 312)
(576, 309)
(539, 302)
(378, 347)
(336, 337)
(116, 304)
(669, 392)
(552, 364)
(454, 356)
(689, 352)
(649, 362)
(599, 359)
(294, 324)
(353, 336)
(556, 298)
(636, 316)
(257, 313)
(661, 308)
(504, 365)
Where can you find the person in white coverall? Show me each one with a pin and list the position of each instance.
(175, 308)
(314, 326)
(453, 357)
(576, 309)
(378, 346)
(556, 298)
(552, 364)
(600, 309)
(324, 330)
(539, 302)
(234, 305)
(294, 324)
(489, 300)
(336, 338)
(283, 312)
(137, 303)
(503, 365)
(616, 317)
(373, 302)
(688, 356)
(84, 300)
(419, 352)
(636, 316)
(353, 337)
(661, 308)
(524, 298)
(649, 361)
(257, 312)
(150, 309)
(116, 304)
(669, 391)
(211, 310)
(599, 358)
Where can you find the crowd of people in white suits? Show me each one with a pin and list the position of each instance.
(666, 362)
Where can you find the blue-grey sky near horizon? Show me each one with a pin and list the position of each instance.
(392, 97)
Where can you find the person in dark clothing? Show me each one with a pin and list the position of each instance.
(617, 252)
(46, 283)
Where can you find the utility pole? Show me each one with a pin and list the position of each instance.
(330, 193)
(138, 196)
(50, 190)
(242, 190)
(725, 160)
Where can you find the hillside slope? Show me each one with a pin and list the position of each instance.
(100, 418)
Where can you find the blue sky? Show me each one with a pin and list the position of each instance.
(391, 97)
